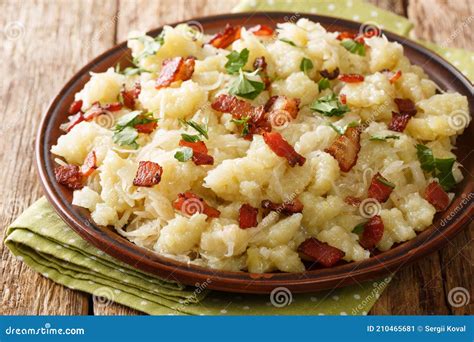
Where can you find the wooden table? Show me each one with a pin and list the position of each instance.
(55, 38)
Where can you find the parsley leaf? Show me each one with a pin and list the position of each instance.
(201, 129)
(439, 168)
(385, 138)
(306, 65)
(329, 105)
(353, 46)
(285, 40)
(359, 229)
(126, 136)
(342, 130)
(125, 132)
(190, 138)
(150, 45)
(184, 154)
(244, 122)
(323, 84)
(246, 88)
(236, 61)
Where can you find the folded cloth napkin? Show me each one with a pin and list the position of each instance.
(48, 245)
(368, 15)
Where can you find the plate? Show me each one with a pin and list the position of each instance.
(446, 224)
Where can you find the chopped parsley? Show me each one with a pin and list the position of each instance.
(353, 46)
(236, 61)
(323, 84)
(329, 105)
(385, 182)
(285, 40)
(246, 88)
(342, 130)
(359, 229)
(244, 123)
(306, 65)
(439, 168)
(125, 133)
(183, 155)
(150, 45)
(385, 138)
(201, 129)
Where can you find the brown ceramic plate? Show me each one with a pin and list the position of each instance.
(445, 227)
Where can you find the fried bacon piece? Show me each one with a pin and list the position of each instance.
(247, 216)
(345, 148)
(278, 103)
(380, 188)
(226, 37)
(405, 106)
(75, 107)
(190, 203)
(320, 252)
(146, 128)
(394, 78)
(129, 96)
(343, 98)
(260, 63)
(69, 176)
(436, 195)
(94, 111)
(283, 149)
(330, 75)
(346, 35)
(354, 201)
(73, 121)
(238, 108)
(286, 208)
(175, 69)
(200, 152)
(373, 232)
(112, 107)
(261, 30)
(90, 164)
(399, 122)
(351, 78)
(148, 174)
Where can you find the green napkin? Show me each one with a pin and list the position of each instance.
(48, 245)
(358, 10)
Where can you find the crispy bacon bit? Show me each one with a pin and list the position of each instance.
(200, 152)
(224, 38)
(343, 98)
(399, 122)
(282, 104)
(283, 149)
(345, 148)
(261, 30)
(436, 195)
(90, 164)
(247, 216)
(286, 208)
(405, 106)
(69, 176)
(380, 188)
(95, 110)
(146, 128)
(351, 78)
(129, 96)
(190, 204)
(346, 35)
(148, 174)
(75, 107)
(394, 78)
(73, 121)
(238, 108)
(260, 63)
(373, 232)
(175, 69)
(360, 39)
(330, 75)
(112, 107)
(320, 252)
(354, 201)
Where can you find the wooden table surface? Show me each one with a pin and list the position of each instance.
(46, 42)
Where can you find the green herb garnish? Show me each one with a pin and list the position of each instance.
(246, 88)
(244, 122)
(323, 84)
(236, 61)
(385, 138)
(125, 133)
(342, 130)
(306, 65)
(183, 155)
(329, 105)
(359, 229)
(285, 40)
(354, 46)
(439, 168)
(385, 182)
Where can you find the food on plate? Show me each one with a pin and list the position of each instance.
(260, 149)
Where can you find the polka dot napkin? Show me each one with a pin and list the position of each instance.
(360, 11)
(43, 241)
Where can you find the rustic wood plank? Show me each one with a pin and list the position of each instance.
(396, 6)
(447, 23)
(42, 49)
